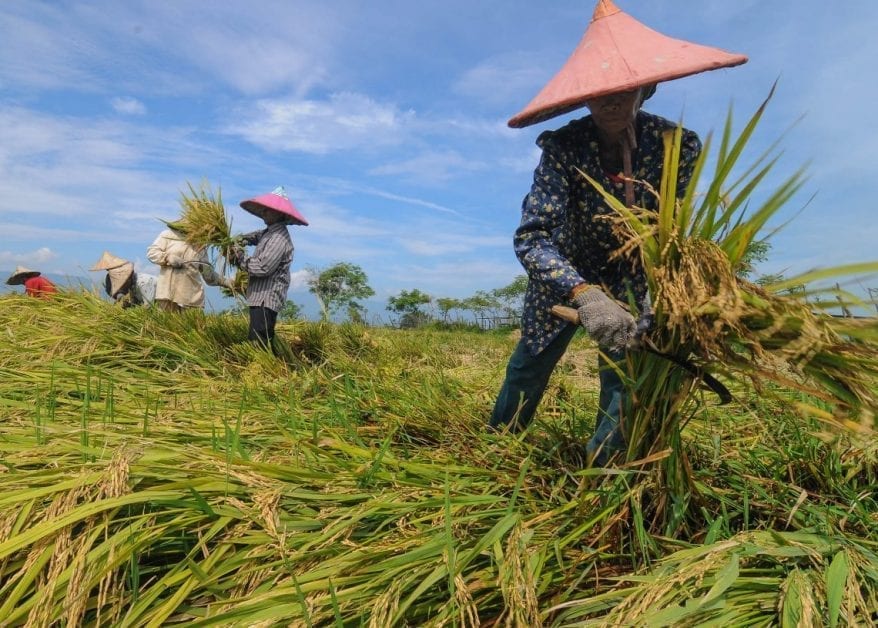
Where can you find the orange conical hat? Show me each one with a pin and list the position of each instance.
(617, 54)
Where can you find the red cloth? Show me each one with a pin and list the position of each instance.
(39, 287)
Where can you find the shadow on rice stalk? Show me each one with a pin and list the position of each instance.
(159, 469)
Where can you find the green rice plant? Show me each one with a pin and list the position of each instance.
(691, 250)
(359, 486)
(203, 220)
(753, 579)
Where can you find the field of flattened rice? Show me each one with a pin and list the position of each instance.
(157, 469)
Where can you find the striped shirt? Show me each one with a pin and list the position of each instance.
(269, 267)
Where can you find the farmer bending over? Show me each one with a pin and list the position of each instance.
(122, 284)
(566, 240)
(35, 285)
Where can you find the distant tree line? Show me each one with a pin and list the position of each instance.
(340, 288)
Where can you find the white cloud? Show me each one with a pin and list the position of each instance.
(343, 122)
(130, 106)
(299, 279)
(39, 256)
(168, 48)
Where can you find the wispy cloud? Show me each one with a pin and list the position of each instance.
(507, 77)
(130, 106)
(453, 243)
(431, 167)
(342, 122)
(47, 46)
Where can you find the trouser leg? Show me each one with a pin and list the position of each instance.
(262, 323)
(608, 438)
(526, 379)
(167, 305)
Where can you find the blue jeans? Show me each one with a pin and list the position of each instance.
(527, 377)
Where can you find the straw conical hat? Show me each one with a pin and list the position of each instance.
(617, 54)
(108, 261)
(278, 201)
(20, 275)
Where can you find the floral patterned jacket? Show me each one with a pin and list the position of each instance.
(565, 237)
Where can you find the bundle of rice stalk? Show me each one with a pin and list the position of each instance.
(203, 220)
(691, 251)
(239, 286)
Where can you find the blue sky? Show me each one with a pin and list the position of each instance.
(386, 122)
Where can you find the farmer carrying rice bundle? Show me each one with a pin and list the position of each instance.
(268, 268)
(122, 284)
(565, 240)
(183, 267)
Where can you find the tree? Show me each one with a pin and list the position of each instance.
(446, 304)
(481, 303)
(290, 311)
(408, 303)
(339, 286)
(756, 252)
(511, 297)
(356, 313)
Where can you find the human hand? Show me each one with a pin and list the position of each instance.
(606, 322)
(236, 255)
(174, 261)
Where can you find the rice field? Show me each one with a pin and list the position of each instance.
(156, 469)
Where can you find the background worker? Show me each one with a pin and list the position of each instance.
(183, 271)
(35, 285)
(123, 284)
(565, 240)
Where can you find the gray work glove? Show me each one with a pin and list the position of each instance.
(606, 322)
(174, 261)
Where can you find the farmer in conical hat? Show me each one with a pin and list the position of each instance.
(565, 240)
(123, 284)
(182, 269)
(268, 268)
(35, 285)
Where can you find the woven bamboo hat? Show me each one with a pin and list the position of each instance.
(277, 200)
(118, 270)
(20, 275)
(108, 261)
(617, 54)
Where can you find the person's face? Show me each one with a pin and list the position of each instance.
(270, 216)
(614, 113)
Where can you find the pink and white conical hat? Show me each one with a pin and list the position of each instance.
(279, 202)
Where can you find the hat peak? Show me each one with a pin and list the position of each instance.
(604, 9)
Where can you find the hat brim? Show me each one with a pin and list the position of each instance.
(258, 209)
(617, 54)
(17, 279)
